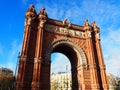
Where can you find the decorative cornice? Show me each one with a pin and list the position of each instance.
(37, 60)
(60, 24)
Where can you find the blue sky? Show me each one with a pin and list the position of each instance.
(105, 12)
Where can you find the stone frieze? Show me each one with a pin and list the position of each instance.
(64, 31)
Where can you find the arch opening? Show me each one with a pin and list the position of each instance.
(60, 72)
(60, 63)
(72, 56)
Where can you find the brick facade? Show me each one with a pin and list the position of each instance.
(81, 44)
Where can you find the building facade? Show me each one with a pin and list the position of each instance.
(61, 81)
(81, 44)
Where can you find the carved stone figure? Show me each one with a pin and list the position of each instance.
(89, 33)
(98, 35)
(28, 21)
(41, 24)
(66, 23)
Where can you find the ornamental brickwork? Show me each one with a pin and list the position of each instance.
(81, 44)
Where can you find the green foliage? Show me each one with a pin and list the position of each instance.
(6, 81)
(114, 82)
(54, 85)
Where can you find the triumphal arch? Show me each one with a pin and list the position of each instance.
(81, 44)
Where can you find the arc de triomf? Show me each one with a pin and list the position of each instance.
(81, 44)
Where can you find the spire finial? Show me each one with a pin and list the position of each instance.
(95, 27)
(43, 14)
(86, 23)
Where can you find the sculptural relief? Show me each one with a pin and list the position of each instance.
(66, 23)
(71, 33)
(41, 24)
(97, 35)
(64, 31)
(89, 33)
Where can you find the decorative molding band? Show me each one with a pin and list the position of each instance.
(37, 60)
(64, 31)
(102, 67)
(25, 59)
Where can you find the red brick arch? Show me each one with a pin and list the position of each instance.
(64, 46)
(81, 44)
(69, 43)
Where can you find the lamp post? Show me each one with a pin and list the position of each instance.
(67, 77)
